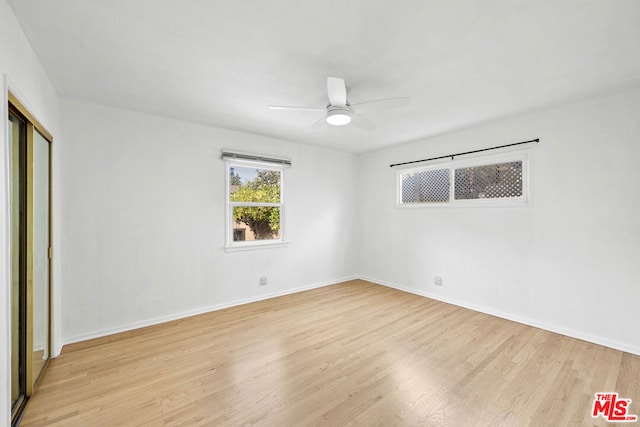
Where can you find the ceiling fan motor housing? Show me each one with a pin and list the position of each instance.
(338, 115)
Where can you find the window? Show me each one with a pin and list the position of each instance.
(425, 186)
(498, 180)
(254, 204)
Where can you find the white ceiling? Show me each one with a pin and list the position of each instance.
(222, 63)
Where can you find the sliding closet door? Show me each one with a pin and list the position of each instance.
(40, 240)
(18, 183)
(29, 146)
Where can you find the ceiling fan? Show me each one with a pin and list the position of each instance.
(340, 112)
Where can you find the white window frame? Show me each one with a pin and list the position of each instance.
(230, 244)
(482, 160)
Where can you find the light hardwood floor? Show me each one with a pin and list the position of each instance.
(349, 354)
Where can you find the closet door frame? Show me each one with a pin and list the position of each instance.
(33, 125)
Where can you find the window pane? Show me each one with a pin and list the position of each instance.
(409, 193)
(430, 186)
(254, 185)
(495, 181)
(256, 223)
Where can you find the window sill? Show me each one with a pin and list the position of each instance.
(473, 203)
(255, 246)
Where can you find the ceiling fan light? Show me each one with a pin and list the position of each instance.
(337, 118)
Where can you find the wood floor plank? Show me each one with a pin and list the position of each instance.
(348, 354)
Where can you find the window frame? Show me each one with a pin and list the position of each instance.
(476, 161)
(230, 244)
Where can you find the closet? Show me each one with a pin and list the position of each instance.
(29, 149)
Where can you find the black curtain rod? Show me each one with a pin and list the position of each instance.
(466, 152)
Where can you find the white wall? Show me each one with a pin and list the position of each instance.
(144, 220)
(569, 263)
(23, 74)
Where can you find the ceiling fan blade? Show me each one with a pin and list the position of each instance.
(380, 104)
(318, 125)
(361, 122)
(287, 107)
(337, 91)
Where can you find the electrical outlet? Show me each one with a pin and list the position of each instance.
(264, 281)
(437, 281)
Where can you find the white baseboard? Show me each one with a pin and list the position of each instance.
(194, 312)
(515, 318)
(509, 316)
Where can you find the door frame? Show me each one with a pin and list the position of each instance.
(33, 125)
